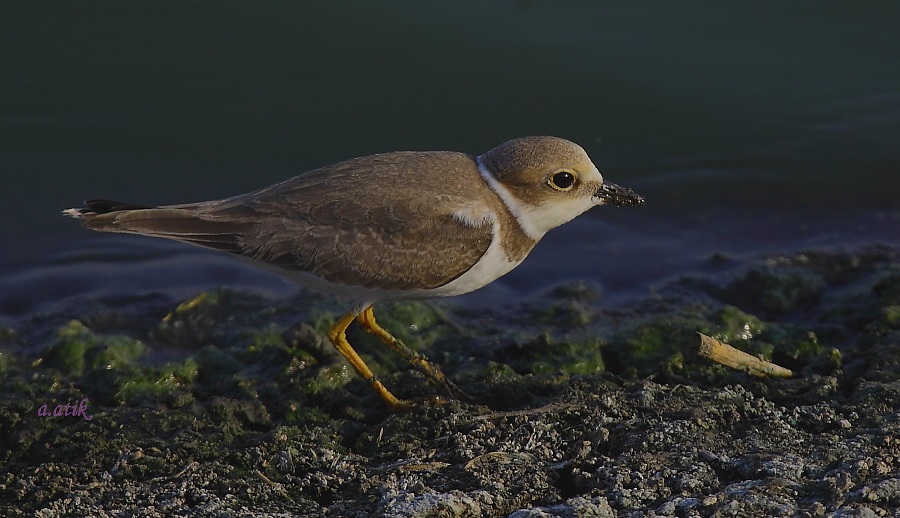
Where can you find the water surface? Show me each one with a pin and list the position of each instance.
(750, 128)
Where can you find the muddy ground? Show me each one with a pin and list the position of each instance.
(235, 405)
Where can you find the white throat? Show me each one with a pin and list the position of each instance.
(524, 217)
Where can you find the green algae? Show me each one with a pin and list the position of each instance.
(778, 288)
(783, 293)
(269, 354)
(567, 306)
(327, 378)
(644, 348)
(546, 355)
(571, 358)
(119, 352)
(414, 323)
(77, 349)
(216, 364)
(649, 344)
(566, 314)
(418, 325)
(171, 383)
(259, 390)
(266, 341)
(322, 320)
(891, 316)
(67, 353)
(108, 367)
(738, 325)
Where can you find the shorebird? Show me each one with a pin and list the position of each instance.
(401, 225)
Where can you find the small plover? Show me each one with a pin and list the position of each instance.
(402, 225)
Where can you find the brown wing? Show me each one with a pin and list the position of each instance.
(384, 221)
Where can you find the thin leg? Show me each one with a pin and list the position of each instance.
(337, 335)
(431, 370)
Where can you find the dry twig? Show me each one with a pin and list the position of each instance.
(736, 359)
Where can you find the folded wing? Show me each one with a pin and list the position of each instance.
(332, 223)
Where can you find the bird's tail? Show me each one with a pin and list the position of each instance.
(95, 208)
(184, 223)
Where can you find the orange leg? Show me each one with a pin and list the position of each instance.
(337, 335)
(432, 371)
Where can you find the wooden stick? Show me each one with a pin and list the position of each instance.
(739, 360)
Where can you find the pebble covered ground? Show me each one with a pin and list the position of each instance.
(234, 405)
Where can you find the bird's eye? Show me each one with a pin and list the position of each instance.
(561, 180)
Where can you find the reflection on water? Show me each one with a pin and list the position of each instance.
(747, 130)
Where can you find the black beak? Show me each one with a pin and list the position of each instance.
(618, 196)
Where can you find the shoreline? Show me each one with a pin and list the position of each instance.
(237, 404)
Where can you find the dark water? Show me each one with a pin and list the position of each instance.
(749, 128)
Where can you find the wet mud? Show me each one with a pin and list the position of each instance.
(230, 404)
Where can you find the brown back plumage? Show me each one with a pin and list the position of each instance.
(332, 222)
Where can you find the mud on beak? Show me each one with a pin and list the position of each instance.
(618, 196)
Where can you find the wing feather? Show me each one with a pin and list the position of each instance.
(383, 221)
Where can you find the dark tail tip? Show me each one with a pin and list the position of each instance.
(94, 207)
(104, 206)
